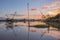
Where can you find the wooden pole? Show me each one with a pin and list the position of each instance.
(28, 20)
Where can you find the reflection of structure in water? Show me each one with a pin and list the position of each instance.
(9, 23)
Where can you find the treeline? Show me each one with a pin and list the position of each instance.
(54, 21)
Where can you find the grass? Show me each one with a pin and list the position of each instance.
(41, 26)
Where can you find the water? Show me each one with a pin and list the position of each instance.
(20, 32)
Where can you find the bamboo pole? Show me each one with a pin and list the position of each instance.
(28, 19)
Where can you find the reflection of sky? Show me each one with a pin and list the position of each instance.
(21, 33)
(10, 6)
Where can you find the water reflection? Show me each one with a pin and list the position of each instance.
(20, 33)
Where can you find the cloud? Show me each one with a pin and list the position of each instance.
(33, 10)
(52, 5)
(49, 7)
(46, 7)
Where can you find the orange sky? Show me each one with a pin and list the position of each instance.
(51, 9)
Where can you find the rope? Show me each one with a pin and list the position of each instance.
(42, 35)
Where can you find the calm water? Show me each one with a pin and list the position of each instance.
(20, 32)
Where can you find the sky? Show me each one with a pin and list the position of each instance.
(20, 6)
